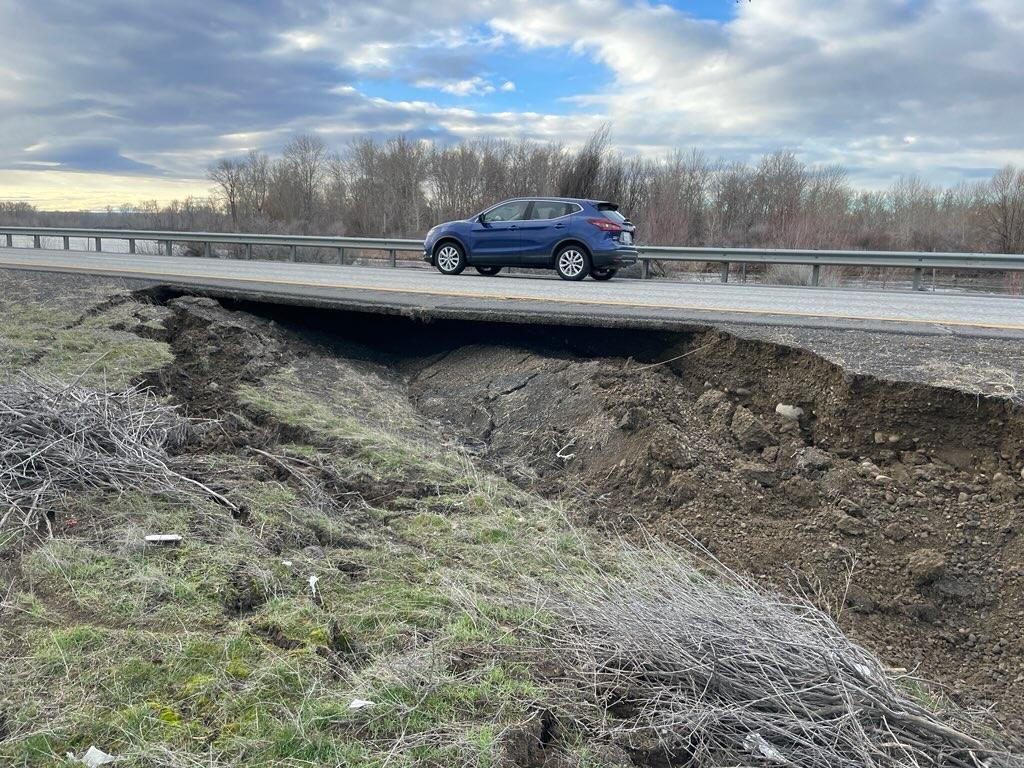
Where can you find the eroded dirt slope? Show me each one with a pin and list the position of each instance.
(900, 503)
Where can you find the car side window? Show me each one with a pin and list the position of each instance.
(511, 211)
(549, 209)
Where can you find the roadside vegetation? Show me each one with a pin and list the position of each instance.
(351, 588)
(402, 187)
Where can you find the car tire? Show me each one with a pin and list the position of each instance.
(488, 271)
(572, 263)
(449, 258)
(606, 273)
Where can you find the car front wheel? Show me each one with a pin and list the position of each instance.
(488, 271)
(603, 274)
(572, 263)
(449, 259)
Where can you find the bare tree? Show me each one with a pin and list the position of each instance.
(255, 184)
(402, 186)
(228, 176)
(1002, 211)
(580, 177)
(305, 160)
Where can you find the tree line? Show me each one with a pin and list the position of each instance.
(401, 187)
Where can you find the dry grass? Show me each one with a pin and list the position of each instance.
(985, 380)
(59, 439)
(666, 655)
(795, 274)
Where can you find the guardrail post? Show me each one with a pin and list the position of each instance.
(67, 243)
(168, 248)
(35, 241)
(206, 250)
(725, 272)
(815, 275)
(291, 253)
(131, 245)
(99, 245)
(645, 269)
(10, 241)
(341, 256)
(917, 278)
(394, 258)
(248, 251)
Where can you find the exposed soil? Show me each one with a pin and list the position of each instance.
(901, 503)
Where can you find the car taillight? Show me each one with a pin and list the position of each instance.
(605, 226)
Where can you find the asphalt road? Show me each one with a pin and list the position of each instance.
(542, 298)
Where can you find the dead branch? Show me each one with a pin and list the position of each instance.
(60, 439)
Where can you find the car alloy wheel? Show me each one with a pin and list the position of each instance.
(572, 264)
(449, 259)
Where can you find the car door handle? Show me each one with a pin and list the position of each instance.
(513, 226)
(559, 226)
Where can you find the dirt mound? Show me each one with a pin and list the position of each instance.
(901, 504)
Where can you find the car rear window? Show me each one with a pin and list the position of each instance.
(550, 209)
(611, 212)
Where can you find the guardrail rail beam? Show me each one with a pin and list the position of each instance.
(388, 248)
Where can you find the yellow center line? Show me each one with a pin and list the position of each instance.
(506, 297)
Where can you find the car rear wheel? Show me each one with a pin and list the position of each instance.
(488, 271)
(449, 259)
(607, 273)
(572, 263)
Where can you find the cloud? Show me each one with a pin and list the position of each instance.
(472, 86)
(838, 81)
(160, 89)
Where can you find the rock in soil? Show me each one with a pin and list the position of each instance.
(926, 565)
(749, 431)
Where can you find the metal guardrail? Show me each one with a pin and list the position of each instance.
(918, 261)
(392, 246)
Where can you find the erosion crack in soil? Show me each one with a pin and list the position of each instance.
(914, 490)
(894, 505)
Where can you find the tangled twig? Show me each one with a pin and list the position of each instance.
(57, 440)
(699, 664)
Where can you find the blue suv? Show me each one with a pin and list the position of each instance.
(574, 237)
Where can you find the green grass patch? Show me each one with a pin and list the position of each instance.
(59, 338)
(220, 651)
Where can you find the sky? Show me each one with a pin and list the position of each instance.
(111, 101)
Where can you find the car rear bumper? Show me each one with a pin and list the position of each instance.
(616, 258)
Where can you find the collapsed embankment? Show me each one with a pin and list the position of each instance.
(360, 553)
(897, 504)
